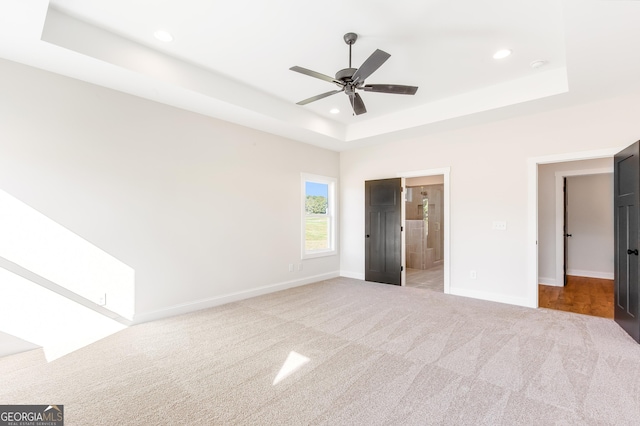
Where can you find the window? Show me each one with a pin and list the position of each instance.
(318, 216)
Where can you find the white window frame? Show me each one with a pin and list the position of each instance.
(332, 209)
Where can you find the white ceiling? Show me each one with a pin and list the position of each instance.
(231, 60)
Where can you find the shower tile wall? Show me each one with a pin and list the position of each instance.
(416, 242)
(423, 251)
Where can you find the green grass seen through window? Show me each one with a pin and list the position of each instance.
(316, 233)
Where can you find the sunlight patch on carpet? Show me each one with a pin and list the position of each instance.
(293, 363)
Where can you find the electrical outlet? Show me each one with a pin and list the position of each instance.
(299, 266)
(102, 299)
(473, 275)
(291, 268)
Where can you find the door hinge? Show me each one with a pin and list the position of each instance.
(401, 268)
(402, 189)
(401, 229)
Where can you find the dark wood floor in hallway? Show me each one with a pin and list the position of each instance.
(583, 295)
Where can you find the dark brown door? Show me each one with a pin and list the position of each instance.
(626, 185)
(383, 234)
(565, 230)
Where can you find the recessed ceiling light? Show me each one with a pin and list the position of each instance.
(501, 54)
(537, 64)
(334, 110)
(163, 35)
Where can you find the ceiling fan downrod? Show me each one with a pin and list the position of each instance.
(350, 39)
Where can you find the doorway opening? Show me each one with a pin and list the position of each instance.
(385, 238)
(574, 233)
(424, 232)
(443, 177)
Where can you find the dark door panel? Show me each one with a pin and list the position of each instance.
(566, 235)
(383, 237)
(622, 270)
(627, 240)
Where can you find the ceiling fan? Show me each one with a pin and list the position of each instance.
(351, 79)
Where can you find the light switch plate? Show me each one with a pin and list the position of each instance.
(499, 225)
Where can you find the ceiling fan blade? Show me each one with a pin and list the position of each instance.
(357, 103)
(369, 66)
(391, 88)
(316, 75)
(320, 96)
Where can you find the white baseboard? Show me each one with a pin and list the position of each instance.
(354, 275)
(228, 298)
(548, 281)
(493, 297)
(591, 274)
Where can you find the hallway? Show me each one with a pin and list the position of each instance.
(582, 295)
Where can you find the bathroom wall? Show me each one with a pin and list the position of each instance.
(414, 203)
(416, 243)
(424, 246)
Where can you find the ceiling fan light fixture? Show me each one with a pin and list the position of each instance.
(502, 53)
(163, 35)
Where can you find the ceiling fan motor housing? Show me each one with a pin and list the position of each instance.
(346, 74)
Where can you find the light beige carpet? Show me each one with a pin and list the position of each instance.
(377, 354)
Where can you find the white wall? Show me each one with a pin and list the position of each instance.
(489, 181)
(10, 345)
(161, 189)
(590, 219)
(547, 212)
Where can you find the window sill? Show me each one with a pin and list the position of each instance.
(319, 253)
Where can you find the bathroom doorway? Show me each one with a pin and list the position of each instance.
(424, 240)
